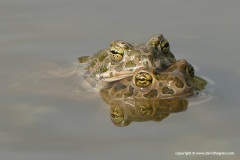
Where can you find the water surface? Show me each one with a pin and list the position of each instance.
(45, 114)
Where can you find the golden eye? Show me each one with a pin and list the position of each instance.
(116, 51)
(116, 54)
(143, 79)
(164, 45)
(190, 70)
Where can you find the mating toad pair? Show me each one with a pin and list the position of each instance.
(143, 72)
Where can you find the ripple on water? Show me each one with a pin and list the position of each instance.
(204, 95)
(53, 79)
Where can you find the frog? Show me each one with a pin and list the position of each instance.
(178, 80)
(121, 59)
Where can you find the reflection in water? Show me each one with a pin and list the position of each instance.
(124, 112)
(152, 94)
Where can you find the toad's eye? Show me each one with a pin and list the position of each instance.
(116, 54)
(116, 51)
(143, 79)
(164, 45)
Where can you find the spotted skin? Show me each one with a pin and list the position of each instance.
(169, 83)
(141, 82)
(121, 59)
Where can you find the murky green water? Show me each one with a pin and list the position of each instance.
(44, 112)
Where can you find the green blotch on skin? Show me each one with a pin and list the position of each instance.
(130, 92)
(161, 77)
(119, 67)
(106, 61)
(152, 94)
(96, 55)
(102, 69)
(199, 83)
(91, 65)
(171, 57)
(179, 83)
(134, 53)
(102, 56)
(130, 65)
(167, 90)
(119, 86)
(83, 59)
